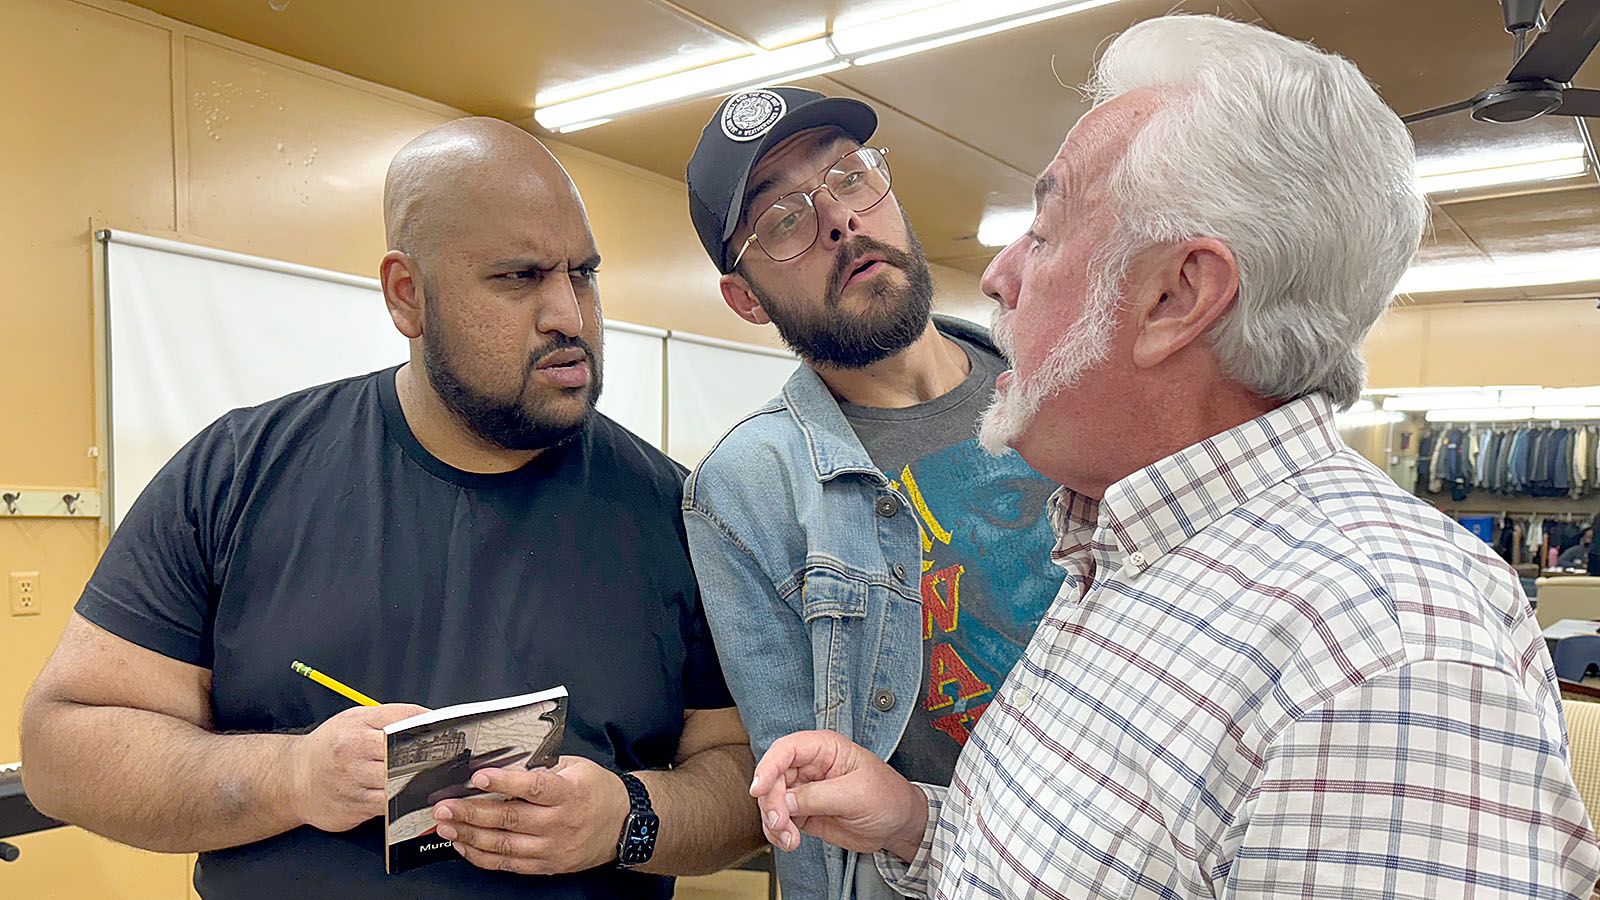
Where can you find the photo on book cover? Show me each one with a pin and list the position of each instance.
(432, 757)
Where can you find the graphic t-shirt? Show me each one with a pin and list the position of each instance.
(986, 572)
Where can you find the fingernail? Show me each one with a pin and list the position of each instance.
(753, 782)
(772, 819)
(790, 839)
(441, 813)
(480, 781)
(788, 800)
(446, 832)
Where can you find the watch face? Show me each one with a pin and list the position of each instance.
(638, 839)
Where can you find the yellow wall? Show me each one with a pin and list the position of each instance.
(1549, 343)
(130, 120)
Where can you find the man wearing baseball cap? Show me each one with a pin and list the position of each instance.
(865, 567)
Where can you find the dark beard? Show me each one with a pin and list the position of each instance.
(520, 424)
(895, 316)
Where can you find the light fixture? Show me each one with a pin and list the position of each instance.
(1467, 398)
(563, 111)
(1566, 412)
(1481, 414)
(1528, 164)
(948, 23)
(999, 227)
(1375, 418)
(794, 62)
(1508, 271)
(1584, 396)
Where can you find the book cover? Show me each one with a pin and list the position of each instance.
(432, 756)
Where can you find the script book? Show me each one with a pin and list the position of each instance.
(433, 756)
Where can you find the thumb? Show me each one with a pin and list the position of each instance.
(840, 797)
(389, 713)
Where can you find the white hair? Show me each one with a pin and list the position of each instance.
(1286, 154)
(1086, 345)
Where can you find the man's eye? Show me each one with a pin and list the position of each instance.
(524, 275)
(586, 273)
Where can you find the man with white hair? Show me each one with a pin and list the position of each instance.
(1270, 671)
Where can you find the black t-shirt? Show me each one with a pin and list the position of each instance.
(317, 528)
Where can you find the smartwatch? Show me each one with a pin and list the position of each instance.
(638, 841)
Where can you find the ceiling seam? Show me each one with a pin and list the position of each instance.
(884, 104)
(689, 15)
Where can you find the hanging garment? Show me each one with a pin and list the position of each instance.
(1580, 463)
(1425, 447)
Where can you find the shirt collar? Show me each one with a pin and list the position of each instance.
(1147, 514)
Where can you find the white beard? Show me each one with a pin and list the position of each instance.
(1087, 344)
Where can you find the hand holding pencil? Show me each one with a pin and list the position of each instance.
(336, 774)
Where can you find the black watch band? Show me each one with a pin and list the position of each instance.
(637, 844)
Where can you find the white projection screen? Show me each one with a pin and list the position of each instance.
(193, 332)
(711, 384)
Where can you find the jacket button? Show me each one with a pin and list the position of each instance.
(899, 571)
(883, 701)
(888, 506)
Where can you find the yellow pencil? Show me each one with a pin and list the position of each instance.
(332, 684)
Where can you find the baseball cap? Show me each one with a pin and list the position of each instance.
(746, 126)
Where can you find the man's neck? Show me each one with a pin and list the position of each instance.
(931, 367)
(442, 434)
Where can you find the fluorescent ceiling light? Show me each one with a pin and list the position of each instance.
(1367, 419)
(1000, 227)
(1539, 162)
(579, 126)
(1566, 412)
(1502, 175)
(657, 68)
(584, 105)
(1481, 414)
(945, 24)
(1459, 399)
(1585, 396)
(754, 70)
(1508, 271)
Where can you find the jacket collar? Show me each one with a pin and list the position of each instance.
(835, 449)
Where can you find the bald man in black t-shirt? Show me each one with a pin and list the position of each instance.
(459, 528)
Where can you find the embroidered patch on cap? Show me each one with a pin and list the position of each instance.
(751, 114)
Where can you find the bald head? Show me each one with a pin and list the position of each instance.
(440, 182)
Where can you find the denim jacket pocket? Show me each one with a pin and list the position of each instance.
(833, 605)
(829, 592)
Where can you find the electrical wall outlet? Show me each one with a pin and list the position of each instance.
(24, 593)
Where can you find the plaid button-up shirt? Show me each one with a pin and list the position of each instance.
(1270, 672)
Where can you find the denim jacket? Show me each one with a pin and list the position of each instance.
(810, 571)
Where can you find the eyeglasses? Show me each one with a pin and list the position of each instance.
(859, 179)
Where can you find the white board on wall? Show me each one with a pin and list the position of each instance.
(194, 332)
(711, 384)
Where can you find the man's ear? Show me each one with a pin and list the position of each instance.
(1186, 288)
(737, 294)
(402, 292)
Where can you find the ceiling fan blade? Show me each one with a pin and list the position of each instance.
(1578, 102)
(1438, 111)
(1557, 54)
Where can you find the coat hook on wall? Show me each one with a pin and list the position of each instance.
(71, 501)
(10, 501)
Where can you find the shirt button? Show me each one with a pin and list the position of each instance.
(1136, 561)
(883, 701)
(888, 506)
(1020, 699)
(899, 571)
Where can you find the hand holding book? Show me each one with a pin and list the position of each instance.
(561, 819)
